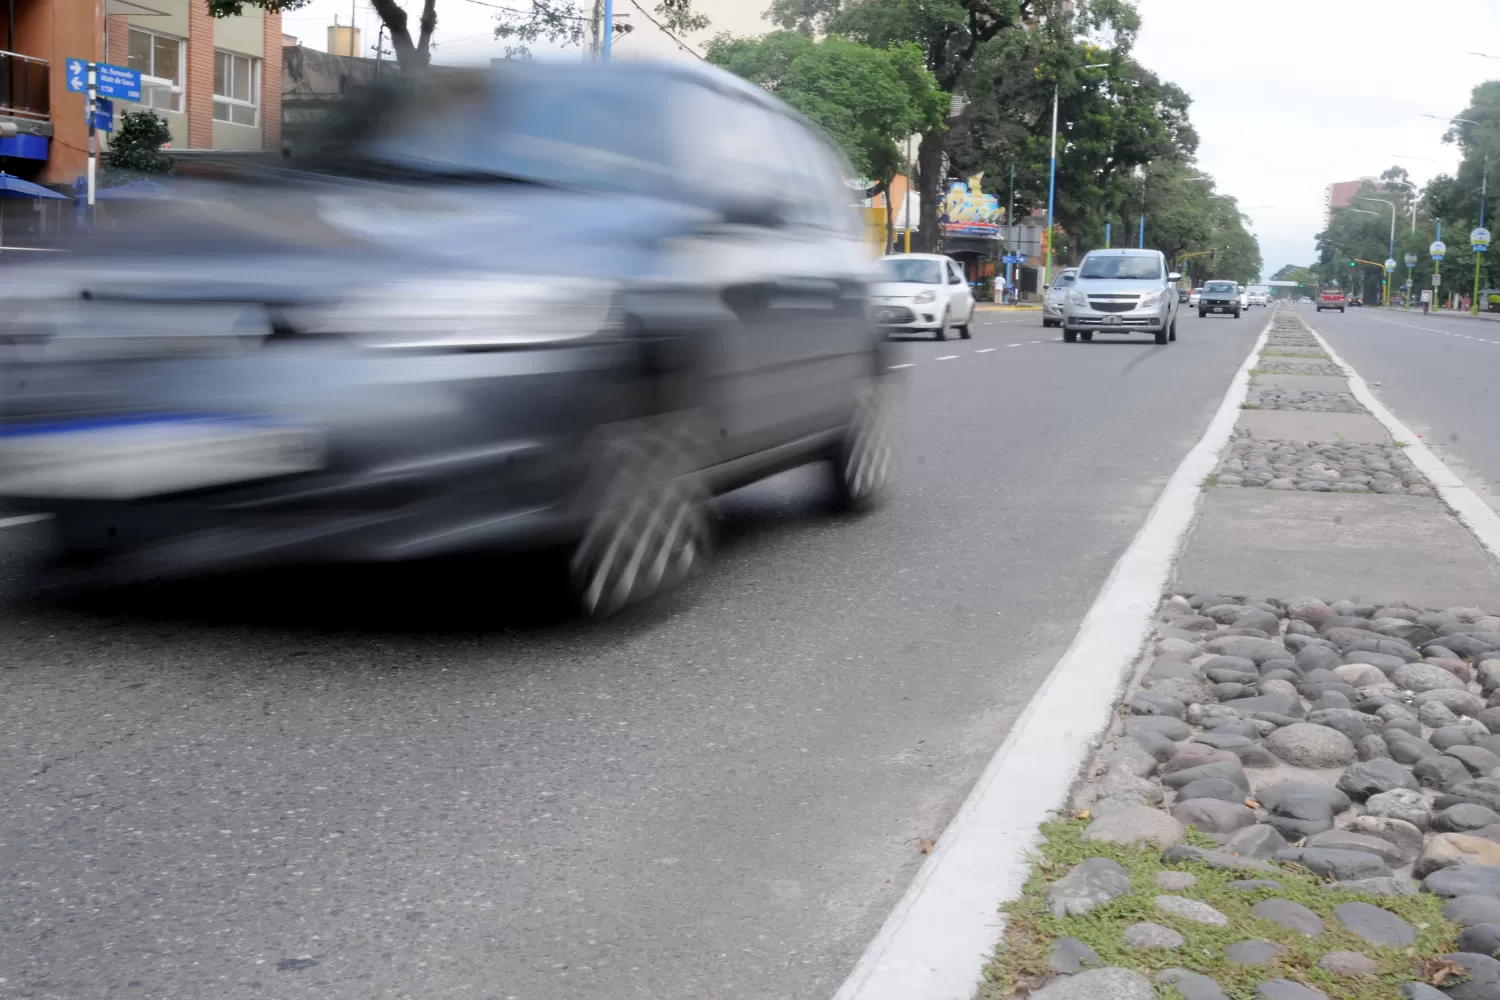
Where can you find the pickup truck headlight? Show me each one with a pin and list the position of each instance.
(924, 297)
(1077, 298)
(1149, 301)
(468, 312)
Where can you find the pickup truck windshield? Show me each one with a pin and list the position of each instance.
(1219, 286)
(1127, 267)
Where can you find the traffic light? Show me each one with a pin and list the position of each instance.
(1351, 263)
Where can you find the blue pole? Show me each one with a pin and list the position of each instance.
(1143, 232)
(1051, 190)
(609, 27)
(1106, 235)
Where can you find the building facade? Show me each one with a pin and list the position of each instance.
(1340, 195)
(217, 82)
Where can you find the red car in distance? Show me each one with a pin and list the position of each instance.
(1331, 298)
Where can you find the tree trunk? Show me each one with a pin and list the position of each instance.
(409, 54)
(929, 186)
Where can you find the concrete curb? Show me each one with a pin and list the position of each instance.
(934, 944)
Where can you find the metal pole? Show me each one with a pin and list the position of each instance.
(353, 8)
(1142, 236)
(1406, 303)
(1010, 224)
(1437, 268)
(1483, 190)
(1051, 190)
(89, 104)
(1106, 235)
(609, 28)
(905, 195)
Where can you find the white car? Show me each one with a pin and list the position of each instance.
(1194, 296)
(1244, 298)
(1057, 296)
(1258, 296)
(921, 293)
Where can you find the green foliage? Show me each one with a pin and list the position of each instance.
(409, 52)
(867, 100)
(1031, 928)
(136, 145)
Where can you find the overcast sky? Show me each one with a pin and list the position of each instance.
(1288, 95)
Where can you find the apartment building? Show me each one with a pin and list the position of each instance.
(217, 82)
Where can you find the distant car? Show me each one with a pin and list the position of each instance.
(1183, 294)
(1257, 296)
(921, 293)
(1122, 291)
(1194, 296)
(1219, 297)
(1057, 296)
(1244, 297)
(1331, 298)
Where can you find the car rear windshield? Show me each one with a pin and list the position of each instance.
(1120, 266)
(920, 272)
(1063, 279)
(1219, 286)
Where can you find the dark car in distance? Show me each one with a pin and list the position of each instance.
(1219, 297)
(536, 306)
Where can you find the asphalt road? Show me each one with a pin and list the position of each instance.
(1437, 374)
(420, 782)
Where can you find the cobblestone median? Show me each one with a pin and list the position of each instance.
(1283, 366)
(1320, 467)
(1317, 401)
(1302, 800)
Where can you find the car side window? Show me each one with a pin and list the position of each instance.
(955, 276)
(729, 148)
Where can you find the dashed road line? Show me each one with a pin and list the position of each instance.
(908, 365)
(1015, 345)
(984, 350)
(16, 522)
(947, 357)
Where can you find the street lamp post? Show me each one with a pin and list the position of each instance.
(1390, 252)
(609, 28)
(1052, 176)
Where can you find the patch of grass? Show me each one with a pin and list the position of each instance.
(1212, 479)
(1021, 958)
(1249, 406)
(1271, 353)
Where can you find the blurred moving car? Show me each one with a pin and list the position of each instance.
(1219, 297)
(541, 305)
(1244, 297)
(1257, 296)
(921, 293)
(1057, 296)
(1122, 291)
(1194, 296)
(1183, 295)
(1331, 298)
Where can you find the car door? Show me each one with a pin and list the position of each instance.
(960, 295)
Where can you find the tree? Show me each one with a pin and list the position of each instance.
(564, 22)
(136, 145)
(410, 54)
(867, 100)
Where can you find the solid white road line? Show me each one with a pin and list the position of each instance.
(17, 521)
(1478, 516)
(934, 944)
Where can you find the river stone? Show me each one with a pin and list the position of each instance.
(1071, 956)
(1371, 777)
(1375, 886)
(1424, 677)
(1151, 703)
(1134, 825)
(1351, 840)
(1255, 884)
(1221, 860)
(1095, 881)
(1310, 610)
(1259, 841)
(1292, 916)
(1172, 729)
(1130, 758)
(1373, 643)
(1225, 614)
(1444, 850)
(1441, 772)
(1466, 911)
(1383, 662)
(1404, 835)
(1214, 815)
(1155, 744)
(1148, 935)
(1223, 741)
(1469, 646)
(1258, 650)
(1459, 702)
(1253, 952)
(1287, 705)
(1234, 726)
(1405, 748)
(1348, 963)
(1480, 939)
(1355, 725)
(1272, 795)
(1483, 982)
(1192, 985)
(1212, 788)
(1464, 880)
(1402, 804)
(1286, 989)
(1262, 621)
(1189, 692)
(1477, 760)
(1174, 881)
(1410, 726)
(1191, 909)
(1119, 784)
(1375, 925)
(1217, 769)
(1338, 865)
(1314, 657)
(1372, 748)
(1481, 791)
(1307, 745)
(1454, 734)
(1275, 686)
(1099, 984)
(1301, 816)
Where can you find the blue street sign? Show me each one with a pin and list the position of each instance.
(77, 72)
(118, 81)
(104, 114)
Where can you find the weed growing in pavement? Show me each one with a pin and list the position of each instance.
(1212, 479)
(1270, 353)
(1249, 406)
(1021, 960)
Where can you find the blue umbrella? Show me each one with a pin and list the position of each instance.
(14, 187)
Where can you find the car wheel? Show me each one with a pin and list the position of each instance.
(1161, 335)
(942, 330)
(963, 332)
(1236, 314)
(1070, 336)
(862, 468)
(1341, 312)
(649, 525)
(1172, 330)
(1202, 313)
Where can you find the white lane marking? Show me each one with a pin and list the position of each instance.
(947, 357)
(986, 350)
(1015, 345)
(907, 365)
(1038, 341)
(16, 522)
(934, 944)
(1478, 516)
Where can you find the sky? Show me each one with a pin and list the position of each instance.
(1288, 95)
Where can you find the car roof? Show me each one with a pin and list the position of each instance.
(1124, 252)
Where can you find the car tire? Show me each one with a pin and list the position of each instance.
(942, 330)
(1341, 311)
(963, 332)
(1086, 336)
(1161, 335)
(648, 524)
(1236, 314)
(863, 464)
(1202, 313)
(1172, 330)
(1070, 336)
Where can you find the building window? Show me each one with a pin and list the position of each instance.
(236, 89)
(158, 58)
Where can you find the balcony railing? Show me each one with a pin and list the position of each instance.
(23, 86)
